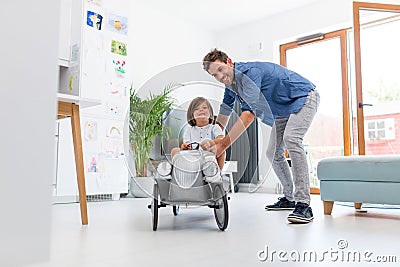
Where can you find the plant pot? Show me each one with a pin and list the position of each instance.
(141, 186)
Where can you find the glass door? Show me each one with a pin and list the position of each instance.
(377, 68)
(323, 60)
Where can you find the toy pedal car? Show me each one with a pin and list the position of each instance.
(193, 178)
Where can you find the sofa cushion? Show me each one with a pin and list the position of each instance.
(372, 168)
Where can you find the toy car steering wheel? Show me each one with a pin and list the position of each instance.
(194, 145)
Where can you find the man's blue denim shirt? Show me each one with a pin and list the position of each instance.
(267, 90)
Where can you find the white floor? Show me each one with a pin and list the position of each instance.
(120, 234)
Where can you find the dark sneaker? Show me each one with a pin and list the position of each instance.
(302, 214)
(282, 204)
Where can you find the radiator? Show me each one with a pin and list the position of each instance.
(244, 151)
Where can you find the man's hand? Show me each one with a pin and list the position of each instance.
(216, 146)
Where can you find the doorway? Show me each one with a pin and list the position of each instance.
(377, 81)
(322, 59)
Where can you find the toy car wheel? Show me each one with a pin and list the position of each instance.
(221, 207)
(154, 207)
(175, 209)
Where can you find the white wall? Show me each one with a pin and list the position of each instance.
(242, 44)
(29, 79)
(159, 41)
(322, 16)
(164, 49)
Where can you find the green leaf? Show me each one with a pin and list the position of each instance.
(146, 118)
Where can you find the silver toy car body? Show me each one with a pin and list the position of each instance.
(193, 178)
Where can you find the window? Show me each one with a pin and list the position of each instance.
(381, 129)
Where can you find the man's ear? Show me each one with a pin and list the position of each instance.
(229, 62)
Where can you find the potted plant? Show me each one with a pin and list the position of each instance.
(146, 119)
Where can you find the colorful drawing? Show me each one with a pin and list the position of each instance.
(114, 132)
(93, 165)
(117, 24)
(71, 82)
(94, 20)
(113, 109)
(95, 2)
(118, 87)
(119, 67)
(118, 48)
(112, 148)
(74, 53)
(90, 131)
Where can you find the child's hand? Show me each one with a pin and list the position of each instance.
(186, 146)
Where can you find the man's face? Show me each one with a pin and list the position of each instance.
(222, 72)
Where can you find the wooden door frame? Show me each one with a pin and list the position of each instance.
(342, 34)
(357, 6)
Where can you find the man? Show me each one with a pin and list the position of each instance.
(281, 98)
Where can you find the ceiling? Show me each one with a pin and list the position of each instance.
(217, 15)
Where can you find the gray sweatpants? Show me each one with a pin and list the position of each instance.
(288, 132)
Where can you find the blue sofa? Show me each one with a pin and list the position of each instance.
(359, 179)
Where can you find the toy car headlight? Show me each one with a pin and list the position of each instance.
(210, 168)
(164, 168)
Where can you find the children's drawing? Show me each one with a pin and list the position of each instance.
(118, 48)
(113, 109)
(94, 20)
(95, 2)
(92, 166)
(75, 50)
(90, 131)
(119, 67)
(117, 24)
(112, 148)
(118, 88)
(114, 132)
(71, 82)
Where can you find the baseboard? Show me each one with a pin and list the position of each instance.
(245, 188)
(64, 199)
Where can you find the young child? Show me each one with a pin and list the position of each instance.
(202, 127)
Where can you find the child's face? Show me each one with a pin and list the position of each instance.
(201, 112)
